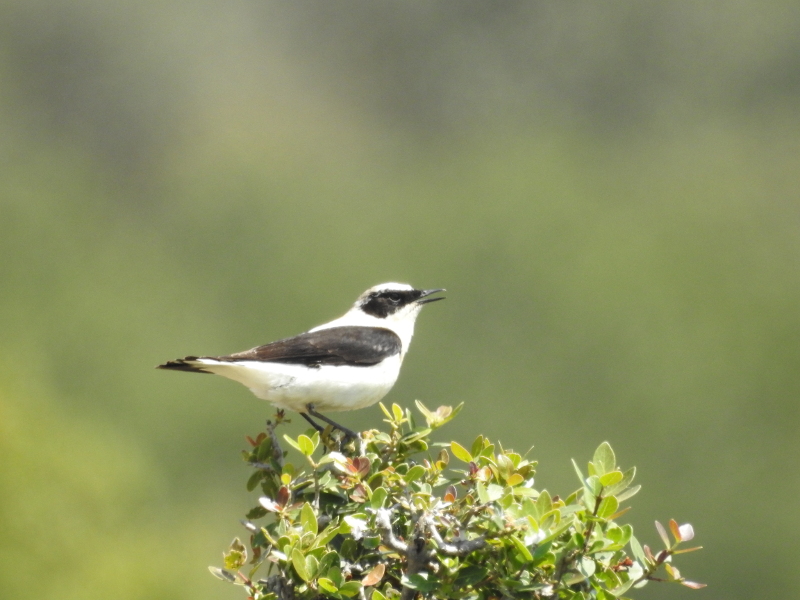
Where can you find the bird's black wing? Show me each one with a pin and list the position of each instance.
(354, 346)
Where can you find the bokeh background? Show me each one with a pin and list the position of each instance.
(609, 192)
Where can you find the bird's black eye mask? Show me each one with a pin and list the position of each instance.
(383, 304)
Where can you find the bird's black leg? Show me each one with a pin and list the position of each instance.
(314, 424)
(347, 432)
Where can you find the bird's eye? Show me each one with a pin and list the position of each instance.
(394, 298)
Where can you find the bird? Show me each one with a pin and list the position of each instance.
(349, 363)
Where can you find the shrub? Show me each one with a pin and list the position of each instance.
(389, 516)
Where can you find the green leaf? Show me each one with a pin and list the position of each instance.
(222, 574)
(236, 555)
(397, 412)
(412, 423)
(308, 519)
(638, 551)
(299, 564)
(256, 513)
(351, 588)
(477, 446)
(305, 444)
(534, 524)
(327, 585)
(414, 473)
(504, 465)
(542, 554)
(330, 559)
(550, 519)
(608, 506)
(604, 595)
(487, 452)
(420, 581)
(416, 435)
(336, 576)
(494, 492)
(385, 410)
(327, 535)
(558, 530)
(544, 504)
(571, 579)
(620, 535)
(312, 566)
(514, 479)
(483, 495)
(627, 479)
(685, 550)
(587, 566)
(254, 479)
(592, 490)
(578, 471)
(611, 478)
(470, 575)
(460, 452)
(264, 450)
(292, 443)
(628, 493)
(523, 550)
(348, 547)
(604, 460)
(618, 591)
(376, 595)
(378, 497)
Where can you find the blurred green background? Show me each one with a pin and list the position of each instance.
(609, 192)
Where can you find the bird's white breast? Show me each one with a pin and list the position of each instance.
(327, 387)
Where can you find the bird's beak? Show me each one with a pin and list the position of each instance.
(423, 297)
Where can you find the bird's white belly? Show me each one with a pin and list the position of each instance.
(328, 388)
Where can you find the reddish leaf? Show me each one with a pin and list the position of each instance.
(283, 496)
(647, 552)
(374, 576)
(359, 494)
(676, 532)
(450, 494)
(361, 464)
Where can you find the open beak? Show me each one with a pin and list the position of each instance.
(423, 298)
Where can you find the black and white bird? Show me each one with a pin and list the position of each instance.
(348, 363)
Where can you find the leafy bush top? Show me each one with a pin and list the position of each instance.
(388, 516)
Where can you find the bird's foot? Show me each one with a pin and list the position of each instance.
(348, 434)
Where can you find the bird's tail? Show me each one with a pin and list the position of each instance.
(190, 364)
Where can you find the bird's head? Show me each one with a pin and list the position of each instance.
(395, 302)
(392, 306)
